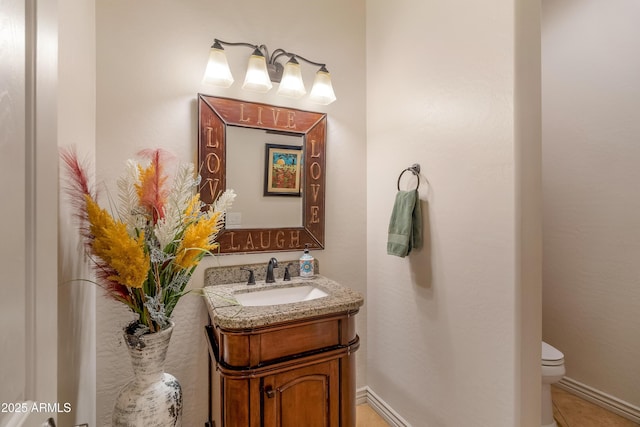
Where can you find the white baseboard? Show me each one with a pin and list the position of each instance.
(361, 395)
(597, 397)
(366, 395)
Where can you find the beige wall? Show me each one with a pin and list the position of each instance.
(151, 57)
(591, 128)
(449, 330)
(76, 299)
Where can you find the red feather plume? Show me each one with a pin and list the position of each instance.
(78, 187)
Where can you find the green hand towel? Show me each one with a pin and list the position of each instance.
(405, 226)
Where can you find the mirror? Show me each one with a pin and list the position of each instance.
(274, 158)
(246, 161)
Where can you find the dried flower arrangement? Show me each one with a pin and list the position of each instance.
(145, 255)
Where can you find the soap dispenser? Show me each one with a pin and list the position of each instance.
(306, 263)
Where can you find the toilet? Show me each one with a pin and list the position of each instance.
(552, 372)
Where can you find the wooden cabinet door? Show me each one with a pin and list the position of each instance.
(308, 396)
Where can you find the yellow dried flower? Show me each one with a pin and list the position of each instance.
(193, 208)
(196, 238)
(114, 246)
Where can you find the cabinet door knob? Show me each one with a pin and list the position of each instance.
(269, 392)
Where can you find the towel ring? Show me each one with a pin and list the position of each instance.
(414, 169)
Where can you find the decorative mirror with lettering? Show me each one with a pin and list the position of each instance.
(218, 118)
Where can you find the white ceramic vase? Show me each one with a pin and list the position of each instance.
(153, 398)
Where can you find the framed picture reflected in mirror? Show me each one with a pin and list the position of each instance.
(282, 170)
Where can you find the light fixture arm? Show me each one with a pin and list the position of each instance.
(317, 64)
(281, 52)
(217, 43)
(277, 54)
(277, 66)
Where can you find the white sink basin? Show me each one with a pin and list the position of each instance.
(275, 296)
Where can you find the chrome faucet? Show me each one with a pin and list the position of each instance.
(273, 263)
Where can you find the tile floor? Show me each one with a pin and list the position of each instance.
(568, 410)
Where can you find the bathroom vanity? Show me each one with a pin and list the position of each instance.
(288, 363)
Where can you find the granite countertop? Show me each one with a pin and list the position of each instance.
(226, 312)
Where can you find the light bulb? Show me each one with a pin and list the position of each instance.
(257, 77)
(217, 72)
(322, 90)
(291, 84)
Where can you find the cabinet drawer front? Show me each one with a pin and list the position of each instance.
(258, 348)
(299, 339)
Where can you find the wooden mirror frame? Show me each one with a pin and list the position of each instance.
(214, 115)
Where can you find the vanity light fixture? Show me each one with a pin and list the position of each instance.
(264, 69)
